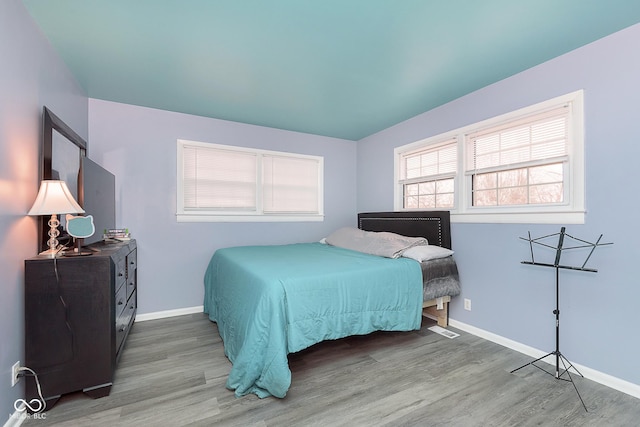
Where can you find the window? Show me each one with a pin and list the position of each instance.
(526, 166)
(521, 162)
(428, 175)
(226, 183)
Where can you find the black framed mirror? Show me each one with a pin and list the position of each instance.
(61, 158)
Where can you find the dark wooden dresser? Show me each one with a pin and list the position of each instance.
(78, 313)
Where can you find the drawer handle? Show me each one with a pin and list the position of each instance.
(123, 328)
(120, 302)
(120, 274)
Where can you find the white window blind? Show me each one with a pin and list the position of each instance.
(290, 184)
(540, 138)
(219, 179)
(227, 183)
(431, 161)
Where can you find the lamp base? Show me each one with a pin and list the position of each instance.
(50, 253)
(75, 252)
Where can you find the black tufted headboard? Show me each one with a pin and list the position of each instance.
(433, 225)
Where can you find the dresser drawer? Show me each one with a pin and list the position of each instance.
(121, 272)
(125, 321)
(132, 260)
(121, 300)
(131, 286)
(132, 272)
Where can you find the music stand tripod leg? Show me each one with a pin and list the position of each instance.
(566, 369)
(533, 362)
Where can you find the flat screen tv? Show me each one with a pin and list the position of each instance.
(99, 198)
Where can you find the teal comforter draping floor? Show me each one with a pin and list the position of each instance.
(269, 301)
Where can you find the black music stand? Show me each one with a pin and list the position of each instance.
(559, 248)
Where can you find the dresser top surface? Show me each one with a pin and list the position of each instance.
(98, 249)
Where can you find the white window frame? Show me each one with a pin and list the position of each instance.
(571, 210)
(431, 143)
(259, 215)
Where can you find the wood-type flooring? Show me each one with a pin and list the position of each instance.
(173, 373)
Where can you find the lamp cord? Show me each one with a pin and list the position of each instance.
(64, 305)
(44, 403)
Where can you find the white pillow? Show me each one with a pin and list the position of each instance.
(426, 252)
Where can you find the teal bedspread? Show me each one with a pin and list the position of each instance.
(269, 301)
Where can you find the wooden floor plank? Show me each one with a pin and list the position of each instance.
(173, 373)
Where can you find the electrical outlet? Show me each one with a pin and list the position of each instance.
(15, 370)
(467, 304)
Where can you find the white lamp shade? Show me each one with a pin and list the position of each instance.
(54, 197)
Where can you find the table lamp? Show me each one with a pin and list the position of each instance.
(54, 198)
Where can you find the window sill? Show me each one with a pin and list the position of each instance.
(566, 217)
(248, 218)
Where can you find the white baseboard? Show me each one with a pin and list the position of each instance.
(17, 418)
(597, 376)
(169, 313)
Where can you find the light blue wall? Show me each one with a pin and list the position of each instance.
(31, 75)
(599, 313)
(139, 146)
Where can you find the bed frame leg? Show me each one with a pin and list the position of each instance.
(441, 316)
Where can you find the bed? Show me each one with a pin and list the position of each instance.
(270, 301)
